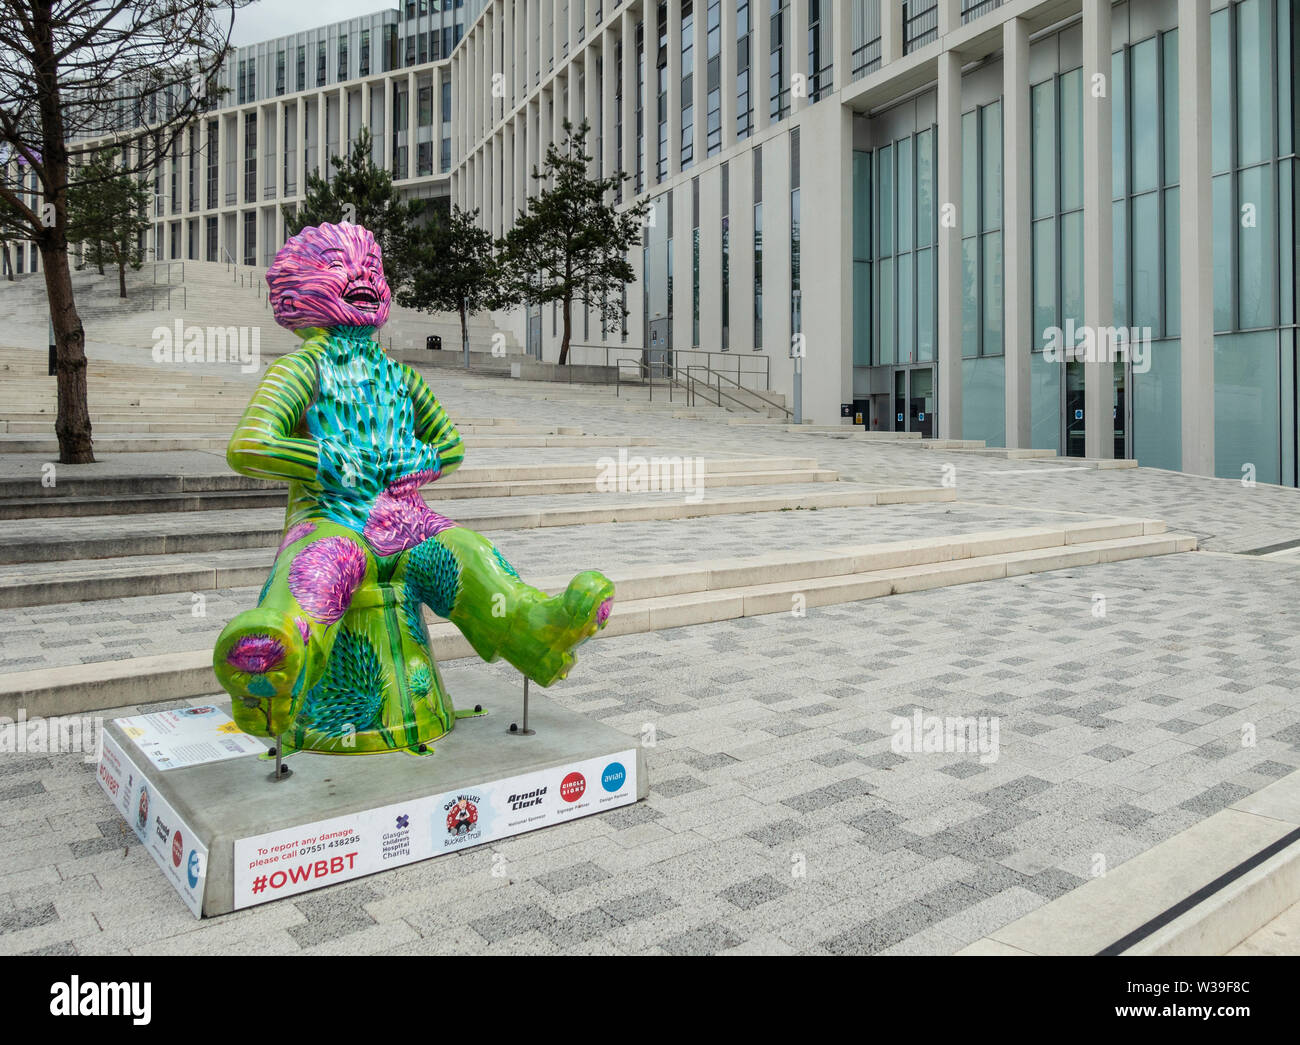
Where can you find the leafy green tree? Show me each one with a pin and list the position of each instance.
(571, 243)
(108, 210)
(361, 193)
(454, 268)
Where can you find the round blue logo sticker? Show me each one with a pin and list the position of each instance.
(613, 777)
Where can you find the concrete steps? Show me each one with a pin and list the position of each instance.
(162, 533)
(669, 596)
(94, 496)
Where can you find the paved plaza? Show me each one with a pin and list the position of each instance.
(781, 816)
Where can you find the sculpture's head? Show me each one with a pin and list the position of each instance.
(329, 276)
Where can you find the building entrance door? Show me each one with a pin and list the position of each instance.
(914, 400)
(1073, 429)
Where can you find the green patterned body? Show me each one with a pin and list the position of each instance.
(336, 656)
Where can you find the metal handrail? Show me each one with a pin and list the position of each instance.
(153, 289)
(765, 372)
(750, 391)
(691, 384)
(168, 265)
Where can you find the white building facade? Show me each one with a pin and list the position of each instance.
(937, 196)
(912, 204)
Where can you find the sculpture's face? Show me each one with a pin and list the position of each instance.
(329, 276)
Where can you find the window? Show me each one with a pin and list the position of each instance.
(758, 248)
(688, 86)
(981, 247)
(778, 78)
(695, 262)
(250, 158)
(726, 259)
(214, 136)
(343, 56)
(320, 63)
(426, 106)
(744, 101)
(364, 57)
(302, 67)
(250, 237)
(279, 73)
(713, 79)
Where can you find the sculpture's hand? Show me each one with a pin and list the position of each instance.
(407, 460)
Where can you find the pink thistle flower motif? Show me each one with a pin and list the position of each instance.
(294, 534)
(255, 654)
(602, 614)
(324, 575)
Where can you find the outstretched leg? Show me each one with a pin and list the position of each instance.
(460, 575)
(268, 658)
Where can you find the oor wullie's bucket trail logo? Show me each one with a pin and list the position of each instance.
(462, 815)
(142, 814)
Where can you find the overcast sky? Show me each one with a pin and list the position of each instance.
(266, 19)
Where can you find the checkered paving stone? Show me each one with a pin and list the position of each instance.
(780, 815)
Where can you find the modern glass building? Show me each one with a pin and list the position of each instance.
(944, 199)
(1066, 224)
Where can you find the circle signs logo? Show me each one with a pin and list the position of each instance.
(614, 776)
(192, 869)
(142, 814)
(572, 787)
(178, 849)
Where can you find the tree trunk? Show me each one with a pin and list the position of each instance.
(8, 264)
(568, 330)
(73, 423)
(121, 278)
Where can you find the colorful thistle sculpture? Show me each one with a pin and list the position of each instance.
(336, 657)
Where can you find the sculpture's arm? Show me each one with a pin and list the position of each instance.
(264, 445)
(432, 425)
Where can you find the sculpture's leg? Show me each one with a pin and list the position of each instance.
(269, 657)
(461, 576)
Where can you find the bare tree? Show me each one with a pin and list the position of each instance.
(76, 75)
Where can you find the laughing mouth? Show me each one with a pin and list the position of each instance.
(362, 298)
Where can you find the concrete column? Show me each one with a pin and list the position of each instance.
(1098, 291)
(575, 19)
(519, 82)
(412, 122)
(948, 291)
(1196, 248)
(345, 137)
(949, 16)
(300, 134)
(797, 51)
(523, 147)
(760, 64)
(826, 181)
(727, 76)
(557, 36)
(388, 122)
(506, 211)
(281, 121)
(1017, 244)
(891, 31)
(532, 56)
(628, 115)
(675, 99)
(843, 44)
(591, 99)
